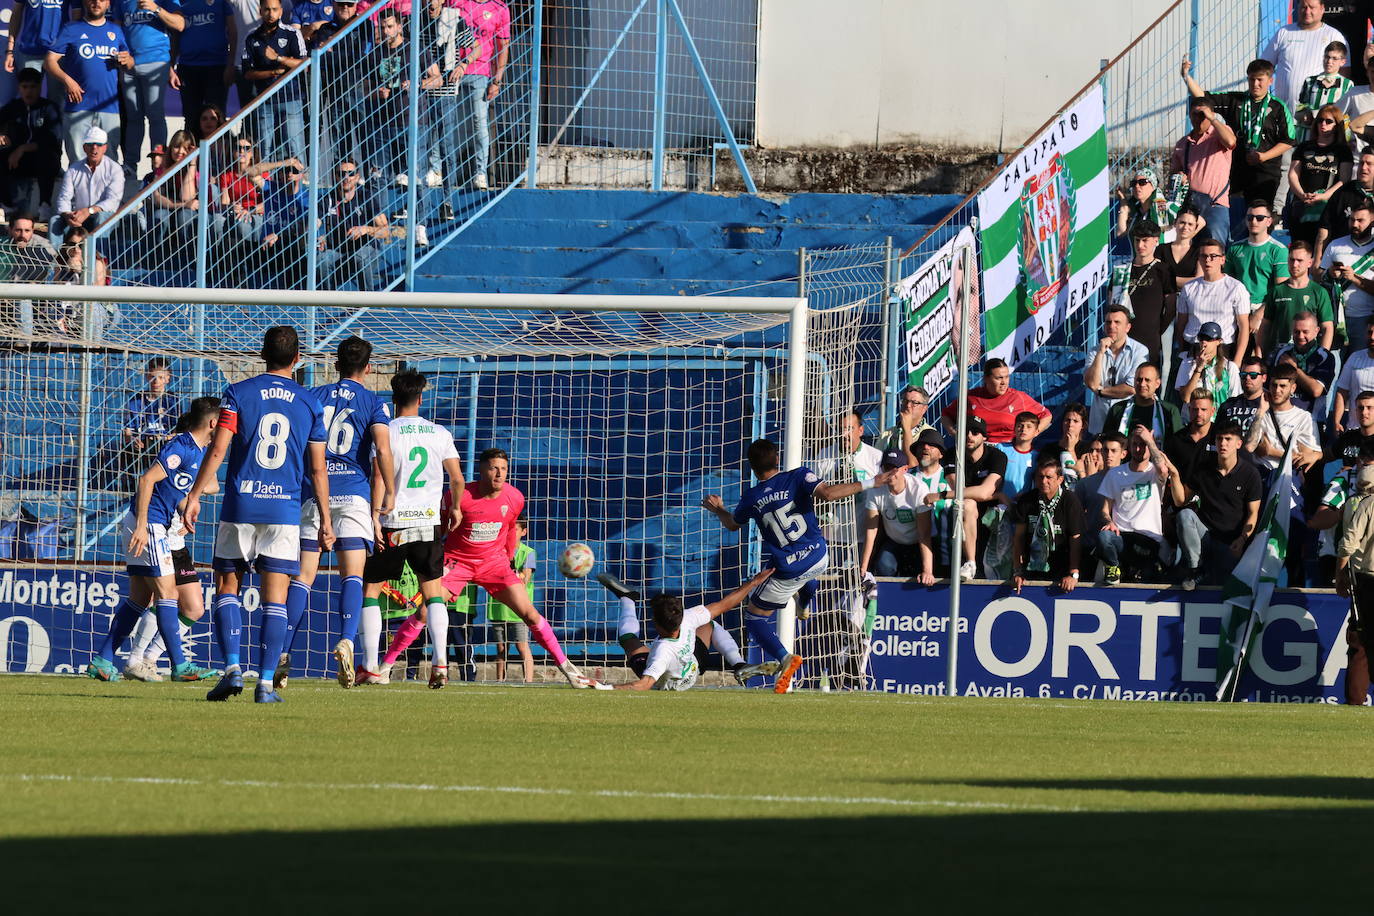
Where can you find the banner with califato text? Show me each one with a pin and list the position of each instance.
(1043, 227)
(931, 305)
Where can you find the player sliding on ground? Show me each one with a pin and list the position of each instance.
(267, 426)
(409, 534)
(480, 551)
(684, 637)
(781, 504)
(355, 421)
(158, 562)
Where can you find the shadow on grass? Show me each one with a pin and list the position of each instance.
(1335, 788)
(1196, 861)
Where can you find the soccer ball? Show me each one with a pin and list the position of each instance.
(576, 561)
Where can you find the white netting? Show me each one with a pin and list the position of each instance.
(618, 423)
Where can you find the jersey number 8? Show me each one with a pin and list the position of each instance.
(273, 431)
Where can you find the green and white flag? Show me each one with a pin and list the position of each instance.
(1043, 226)
(930, 314)
(1252, 582)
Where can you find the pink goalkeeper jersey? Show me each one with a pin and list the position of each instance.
(489, 20)
(488, 527)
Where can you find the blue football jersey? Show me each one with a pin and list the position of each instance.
(180, 458)
(350, 412)
(782, 508)
(272, 419)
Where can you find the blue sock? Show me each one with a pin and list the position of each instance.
(804, 596)
(272, 639)
(297, 602)
(169, 625)
(228, 628)
(765, 634)
(121, 625)
(350, 606)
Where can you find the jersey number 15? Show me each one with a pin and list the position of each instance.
(784, 523)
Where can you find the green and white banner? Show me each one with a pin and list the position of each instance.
(1251, 584)
(1043, 225)
(930, 312)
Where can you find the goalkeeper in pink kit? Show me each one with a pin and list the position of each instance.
(480, 549)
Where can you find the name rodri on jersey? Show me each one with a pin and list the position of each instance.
(350, 411)
(272, 419)
(782, 507)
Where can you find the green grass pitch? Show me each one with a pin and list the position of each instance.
(399, 799)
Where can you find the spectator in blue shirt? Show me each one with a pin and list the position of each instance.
(309, 15)
(205, 56)
(94, 49)
(33, 29)
(271, 51)
(149, 418)
(148, 27)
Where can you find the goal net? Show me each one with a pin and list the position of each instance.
(620, 417)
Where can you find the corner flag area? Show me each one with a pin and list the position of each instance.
(488, 797)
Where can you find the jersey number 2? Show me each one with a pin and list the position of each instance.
(785, 525)
(418, 453)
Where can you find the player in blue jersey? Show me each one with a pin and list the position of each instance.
(272, 429)
(355, 420)
(156, 573)
(781, 504)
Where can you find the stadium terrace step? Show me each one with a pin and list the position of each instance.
(599, 233)
(626, 263)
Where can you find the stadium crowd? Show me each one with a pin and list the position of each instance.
(92, 87)
(1240, 321)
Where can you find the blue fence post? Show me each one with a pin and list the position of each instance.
(312, 249)
(413, 141)
(711, 96)
(202, 256)
(660, 88)
(536, 62)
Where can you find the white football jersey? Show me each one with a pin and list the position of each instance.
(420, 449)
(673, 662)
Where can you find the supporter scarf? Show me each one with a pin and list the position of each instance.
(1042, 538)
(1220, 383)
(1252, 120)
(1156, 418)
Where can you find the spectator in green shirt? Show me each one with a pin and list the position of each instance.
(1298, 293)
(1259, 261)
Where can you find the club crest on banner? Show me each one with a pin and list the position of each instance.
(1047, 214)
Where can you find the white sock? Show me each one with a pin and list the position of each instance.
(438, 631)
(725, 644)
(370, 634)
(629, 618)
(144, 632)
(154, 650)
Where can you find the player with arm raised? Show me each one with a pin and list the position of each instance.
(412, 531)
(271, 429)
(157, 558)
(781, 504)
(356, 422)
(684, 637)
(481, 548)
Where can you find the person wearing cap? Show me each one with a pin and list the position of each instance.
(984, 468)
(148, 27)
(1146, 201)
(1145, 408)
(1204, 154)
(935, 509)
(996, 403)
(1214, 297)
(1111, 367)
(94, 49)
(1259, 261)
(1145, 288)
(1208, 366)
(91, 189)
(893, 509)
(30, 147)
(206, 53)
